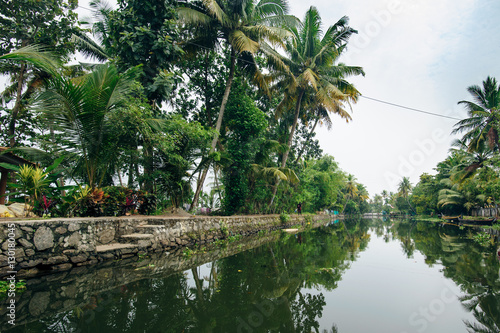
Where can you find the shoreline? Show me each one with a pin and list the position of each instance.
(33, 247)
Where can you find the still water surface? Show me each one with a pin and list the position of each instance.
(353, 276)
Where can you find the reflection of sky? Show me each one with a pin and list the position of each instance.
(203, 273)
(382, 289)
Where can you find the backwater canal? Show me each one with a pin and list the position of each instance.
(348, 277)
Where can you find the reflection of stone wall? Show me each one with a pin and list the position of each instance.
(60, 244)
(80, 287)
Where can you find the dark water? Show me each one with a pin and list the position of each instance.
(357, 276)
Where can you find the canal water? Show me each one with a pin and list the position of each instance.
(348, 277)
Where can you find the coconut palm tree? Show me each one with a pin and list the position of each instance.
(81, 108)
(245, 27)
(385, 195)
(469, 161)
(33, 65)
(315, 75)
(456, 197)
(404, 187)
(350, 189)
(484, 116)
(404, 190)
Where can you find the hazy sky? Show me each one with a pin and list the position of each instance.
(422, 54)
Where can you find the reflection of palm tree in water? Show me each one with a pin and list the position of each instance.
(407, 242)
(486, 323)
(482, 298)
(353, 239)
(300, 310)
(201, 305)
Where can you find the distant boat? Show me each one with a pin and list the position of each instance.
(451, 218)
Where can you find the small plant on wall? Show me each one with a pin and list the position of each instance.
(35, 186)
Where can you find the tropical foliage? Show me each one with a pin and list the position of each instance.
(227, 89)
(468, 179)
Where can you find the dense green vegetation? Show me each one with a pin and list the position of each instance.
(229, 89)
(468, 178)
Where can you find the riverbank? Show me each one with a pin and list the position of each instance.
(35, 247)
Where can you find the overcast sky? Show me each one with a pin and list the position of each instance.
(421, 54)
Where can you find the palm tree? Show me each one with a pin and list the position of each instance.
(455, 196)
(404, 190)
(81, 109)
(33, 65)
(469, 161)
(483, 122)
(245, 26)
(314, 75)
(385, 195)
(404, 187)
(351, 190)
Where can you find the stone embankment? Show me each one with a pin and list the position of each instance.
(79, 287)
(33, 247)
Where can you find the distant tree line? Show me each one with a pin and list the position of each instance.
(468, 178)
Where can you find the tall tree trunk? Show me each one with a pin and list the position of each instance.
(148, 166)
(130, 181)
(4, 175)
(218, 125)
(289, 144)
(208, 105)
(17, 106)
(307, 140)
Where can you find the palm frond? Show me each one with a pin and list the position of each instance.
(89, 47)
(243, 43)
(37, 55)
(266, 8)
(214, 9)
(193, 17)
(309, 78)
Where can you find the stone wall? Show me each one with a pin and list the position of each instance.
(78, 287)
(33, 247)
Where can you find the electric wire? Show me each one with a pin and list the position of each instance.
(411, 109)
(366, 97)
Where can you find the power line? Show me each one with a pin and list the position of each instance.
(370, 98)
(411, 109)
(92, 10)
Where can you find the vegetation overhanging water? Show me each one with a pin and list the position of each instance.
(392, 276)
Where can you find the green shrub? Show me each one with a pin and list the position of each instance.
(284, 218)
(146, 203)
(110, 201)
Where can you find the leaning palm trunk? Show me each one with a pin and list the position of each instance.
(17, 106)
(225, 98)
(289, 144)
